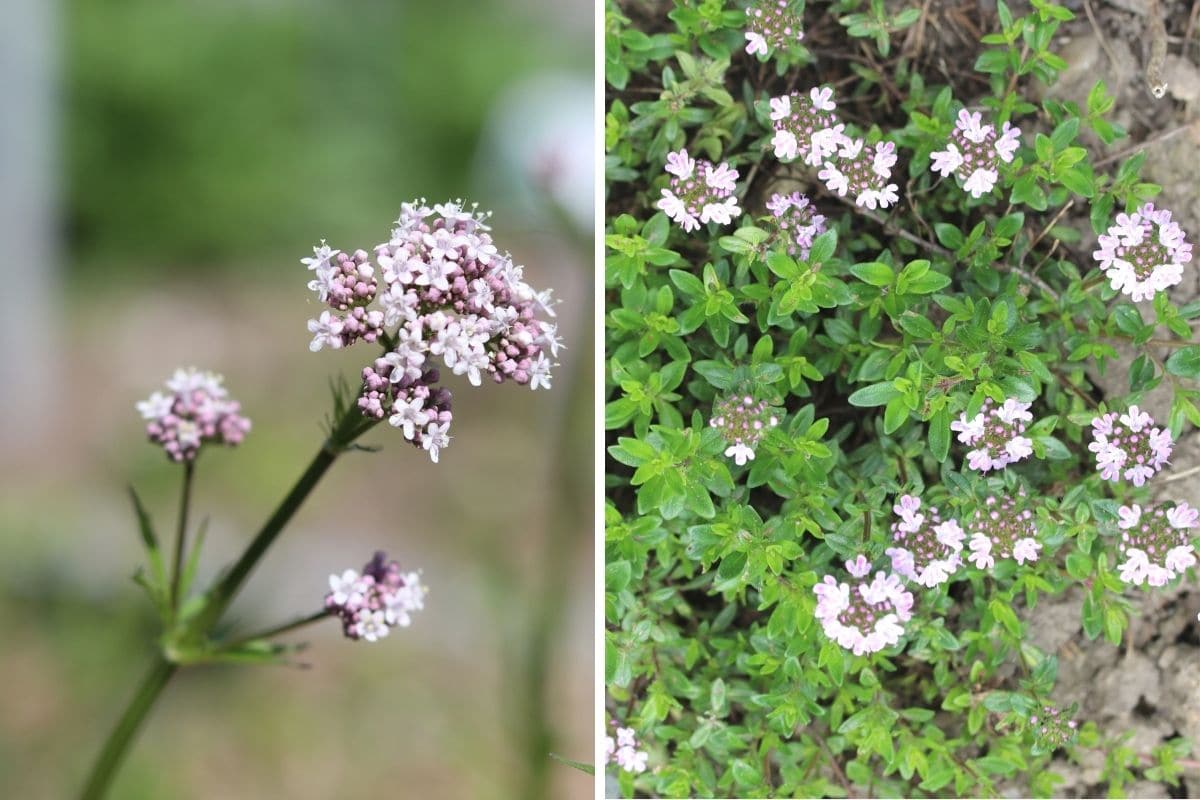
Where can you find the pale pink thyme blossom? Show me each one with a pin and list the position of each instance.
(371, 603)
(1002, 528)
(699, 192)
(862, 174)
(1156, 543)
(996, 434)
(448, 296)
(1053, 728)
(865, 617)
(771, 25)
(1129, 446)
(927, 550)
(1143, 253)
(796, 223)
(195, 410)
(622, 749)
(742, 422)
(974, 153)
(806, 126)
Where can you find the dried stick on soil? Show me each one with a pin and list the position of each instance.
(1112, 59)
(1158, 51)
(1162, 137)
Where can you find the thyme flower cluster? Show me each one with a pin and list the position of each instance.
(1129, 446)
(437, 291)
(771, 25)
(699, 192)
(195, 410)
(1156, 543)
(622, 750)
(742, 421)
(975, 152)
(865, 617)
(1002, 528)
(926, 550)
(1143, 253)
(997, 434)
(795, 223)
(371, 603)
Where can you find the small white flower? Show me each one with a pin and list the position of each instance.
(410, 416)
(156, 406)
(740, 453)
(371, 625)
(755, 43)
(435, 438)
(326, 330)
(346, 587)
(539, 373)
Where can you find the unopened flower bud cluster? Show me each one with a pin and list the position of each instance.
(742, 422)
(194, 411)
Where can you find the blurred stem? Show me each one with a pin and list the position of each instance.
(185, 503)
(119, 740)
(279, 629)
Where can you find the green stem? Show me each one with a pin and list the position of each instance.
(118, 742)
(351, 425)
(279, 629)
(185, 503)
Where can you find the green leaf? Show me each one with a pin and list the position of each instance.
(158, 576)
(874, 273)
(1185, 362)
(939, 434)
(1004, 614)
(949, 235)
(579, 765)
(877, 394)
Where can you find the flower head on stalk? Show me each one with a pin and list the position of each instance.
(621, 749)
(865, 617)
(975, 152)
(195, 410)
(1143, 253)
(1129, 446)
(380, 598)
(771, 25)
(997, 434)
(796, 223)
(1002, 528)
(1156, 543)
(1053, 728)
(438, 293)
(699, 192)
(742, 422)
(926, 550)
(806, 126)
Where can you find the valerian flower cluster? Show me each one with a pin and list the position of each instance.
(449, 297)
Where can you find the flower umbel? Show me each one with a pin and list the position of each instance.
(700, 192)
(1129, 446)
(771, 25)
(1143, 253)
(622, 749)
(449, 296)
(997, 434)
(1053, 728)
(372, 603)
(1002, 528)
(194, 410)
(927, 550)
(742, 421)
(862, 174)
(867, 617)
(796, 222)
(975, 152)
(806, 127)
(1156, 543)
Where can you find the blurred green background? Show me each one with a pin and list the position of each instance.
(199, 149)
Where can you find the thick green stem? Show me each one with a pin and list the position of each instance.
(118, 742)
(185, 502)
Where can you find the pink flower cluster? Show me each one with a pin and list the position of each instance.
(742, 422)
(796, 222)
(975, 152)
(996, 434)
(1156, 543)
(370, 604)
(1053, 728)
(926, 550)
(194, 410)
(1002, 529)
(865, 617)
(771, 24)
(1129, 446)
(623, 750)
(699, 192)
(1143, 253)
(447, 295)
(807, 128)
